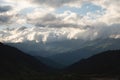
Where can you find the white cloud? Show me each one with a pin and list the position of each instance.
(37, 34)
(44, 16)
(46, 34)
(19, 4)
(111, 15)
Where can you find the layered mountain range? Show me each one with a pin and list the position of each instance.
(67, 52)
(16, 64)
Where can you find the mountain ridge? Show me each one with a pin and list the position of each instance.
(16, 64)
(89, 49)
(107, 62)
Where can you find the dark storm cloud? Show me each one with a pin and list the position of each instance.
(5, 9)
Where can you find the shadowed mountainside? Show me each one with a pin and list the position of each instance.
(14, 63)
(104, 63)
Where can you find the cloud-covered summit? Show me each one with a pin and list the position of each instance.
(48, 35)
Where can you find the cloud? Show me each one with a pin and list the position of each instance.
(9, 15)
(5, 8)
(36, 34)
(66, 19)
(111, 15)
(57, 3)
(43, 16)
(5, 19)
(8, 18)
(50, 3)
(46, 34)
(47, 20)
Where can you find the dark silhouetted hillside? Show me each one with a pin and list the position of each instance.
(14, 63)
(104, 63)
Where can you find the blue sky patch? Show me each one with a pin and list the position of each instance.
(88, 7)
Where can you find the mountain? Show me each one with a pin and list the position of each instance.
(107, 63)
(16, 64)
(66, 52)
(70, 58)
(49, 48)
(49, 62)
(86, 50)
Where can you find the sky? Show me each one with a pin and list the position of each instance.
(56, 20)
